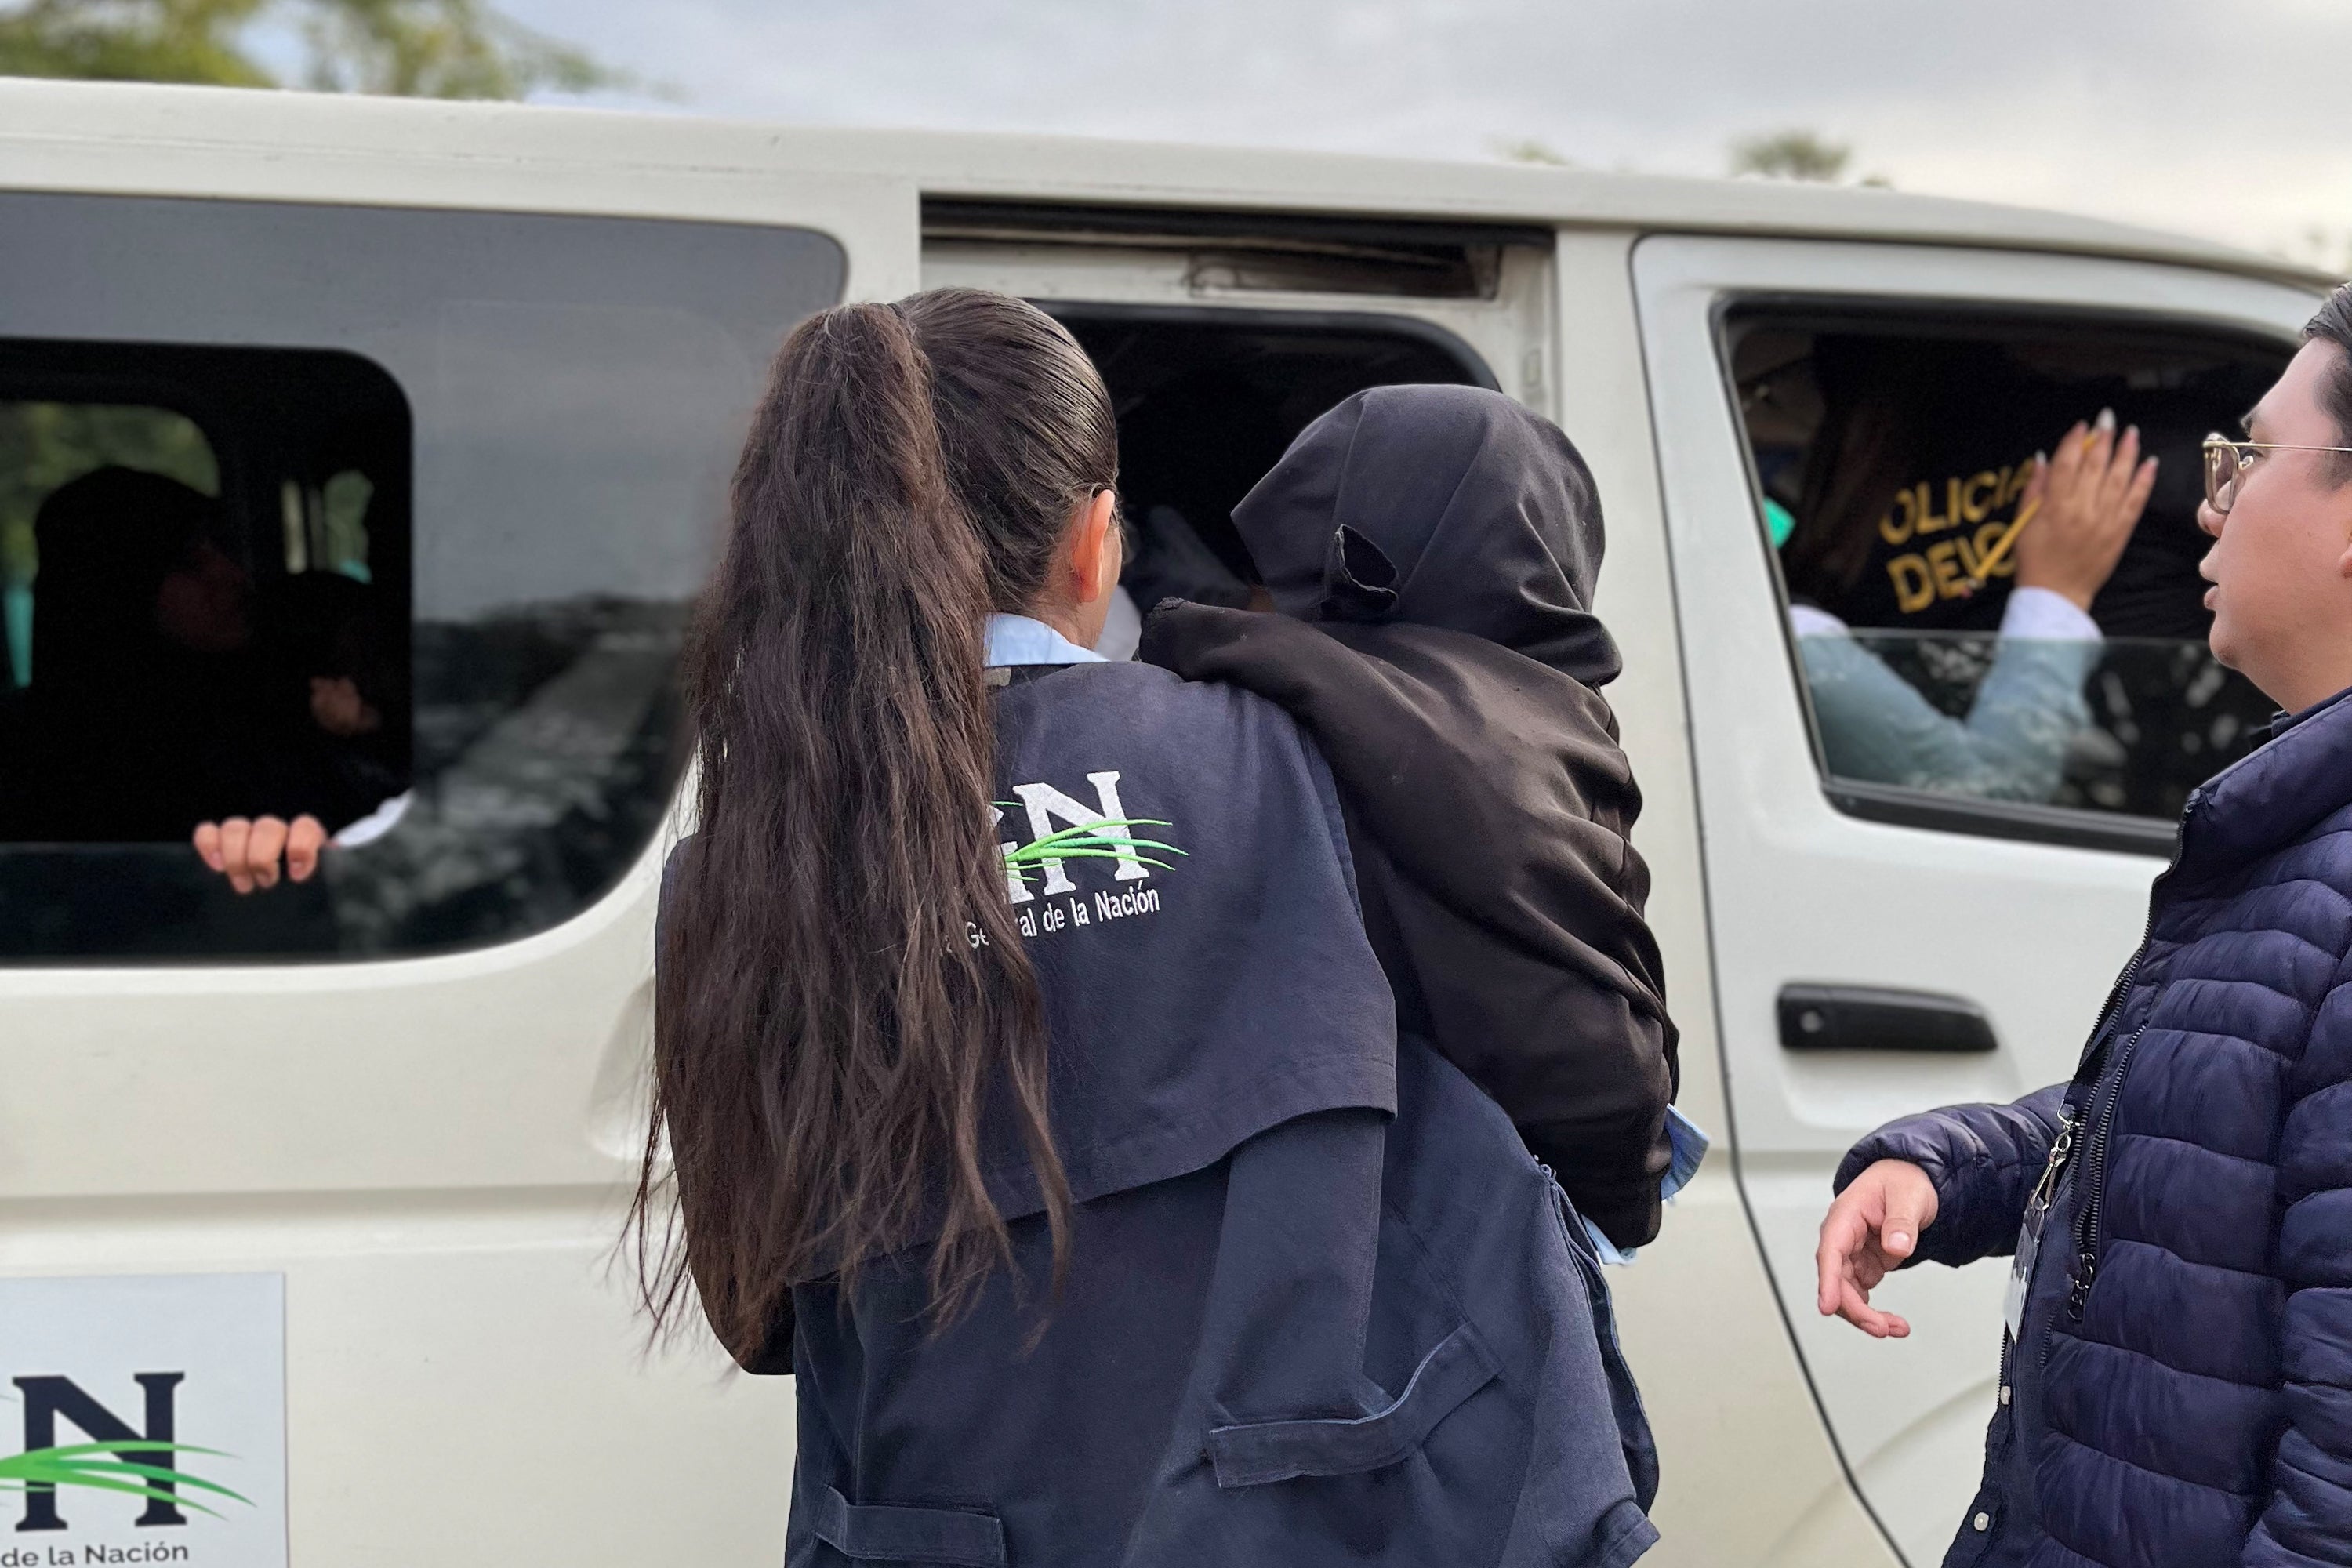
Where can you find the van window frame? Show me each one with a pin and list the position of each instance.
(1452, 344)
(1899, 806)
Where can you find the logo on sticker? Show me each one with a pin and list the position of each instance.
(149, 1418)
(119, 1458)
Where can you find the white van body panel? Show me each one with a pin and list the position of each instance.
(405, 151)
(1749, 1475)
(433, 1150)
(1796, 891)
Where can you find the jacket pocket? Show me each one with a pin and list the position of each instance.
(1633, 1434)
(887, 1533)
(1256, 1453)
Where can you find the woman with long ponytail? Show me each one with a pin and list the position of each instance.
(1025, 1083)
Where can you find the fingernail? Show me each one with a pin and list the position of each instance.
(2106, 421)
(1898, 1239)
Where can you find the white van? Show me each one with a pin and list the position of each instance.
(328, 1182)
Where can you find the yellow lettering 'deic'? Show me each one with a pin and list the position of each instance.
(1971, 508)
(1949, 583)
(1895, 532)
(1914, 591)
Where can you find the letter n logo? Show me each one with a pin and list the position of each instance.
(47, 1398)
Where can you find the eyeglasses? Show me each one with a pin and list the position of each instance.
(2226, 462)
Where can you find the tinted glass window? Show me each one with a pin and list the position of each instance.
(1893, 455)
(509, 435)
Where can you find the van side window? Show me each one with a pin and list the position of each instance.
(391, 518)
(1892, 455)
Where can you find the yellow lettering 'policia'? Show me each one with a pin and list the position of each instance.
(1942, 570)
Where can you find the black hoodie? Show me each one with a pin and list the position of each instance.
(1432, 550)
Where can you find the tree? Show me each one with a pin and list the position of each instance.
(418, 48)
(1529, 150)
(1791, 155)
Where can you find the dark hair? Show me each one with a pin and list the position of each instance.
(840, 989)
(2333, 325)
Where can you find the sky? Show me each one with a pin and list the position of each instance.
(2231, 121)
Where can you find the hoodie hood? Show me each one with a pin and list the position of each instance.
(1438, 506)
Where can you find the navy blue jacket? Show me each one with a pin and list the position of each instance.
(2181, 1393)
(1322, 1306)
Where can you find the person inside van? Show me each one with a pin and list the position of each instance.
(1025, 1083)
(141, 716)
(343, 762)
(1434, 551)
(2039, 576)
(2178, 1348)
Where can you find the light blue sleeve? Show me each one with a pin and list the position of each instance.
(1690, 1144)
(1875, 726)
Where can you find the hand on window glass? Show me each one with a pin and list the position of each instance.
(2087, 500)
(247, 852)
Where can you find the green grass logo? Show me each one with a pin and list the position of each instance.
(103, 1466)
(1104, 839)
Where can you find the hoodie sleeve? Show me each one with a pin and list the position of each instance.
(1584, 1076)
(1489, 807)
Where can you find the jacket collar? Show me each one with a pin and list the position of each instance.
(2274, 794)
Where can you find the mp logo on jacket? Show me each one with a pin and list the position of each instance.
(1038, 872)
(144, 1420)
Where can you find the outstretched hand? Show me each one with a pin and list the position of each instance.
(2088, 499)
(247, 852)
(1869, 1231)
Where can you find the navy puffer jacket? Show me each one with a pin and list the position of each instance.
(2180, 1393)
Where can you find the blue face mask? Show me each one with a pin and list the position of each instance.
(1779, 522)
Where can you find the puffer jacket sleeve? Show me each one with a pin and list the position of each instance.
(2308, 1517)
(1983, 1160)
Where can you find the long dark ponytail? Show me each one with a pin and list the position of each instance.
(840, 988)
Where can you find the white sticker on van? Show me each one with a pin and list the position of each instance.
(144, 1420)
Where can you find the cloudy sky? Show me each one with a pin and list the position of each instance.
(2229, 121)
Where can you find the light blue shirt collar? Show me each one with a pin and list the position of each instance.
(1018, 639)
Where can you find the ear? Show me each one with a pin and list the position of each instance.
(1092, 558)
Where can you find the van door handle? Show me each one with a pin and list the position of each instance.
(1877, 1018)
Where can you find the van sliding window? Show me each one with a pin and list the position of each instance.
(1892, 451)
(388, 516)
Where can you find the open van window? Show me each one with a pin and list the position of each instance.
(1891, 453)
(1208, 399)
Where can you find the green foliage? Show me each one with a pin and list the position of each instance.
(415, 48)
(1791, 155)
(131, 40)
(1531, 150)
(437, 49)
(44, 444)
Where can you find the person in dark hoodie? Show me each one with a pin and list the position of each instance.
(1432, 551)
(1031, 1092)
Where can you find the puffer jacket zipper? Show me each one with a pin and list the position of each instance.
(2089, 1237)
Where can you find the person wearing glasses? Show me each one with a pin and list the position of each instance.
(2176, 1380)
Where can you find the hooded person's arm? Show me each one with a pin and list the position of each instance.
(1487, 803)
